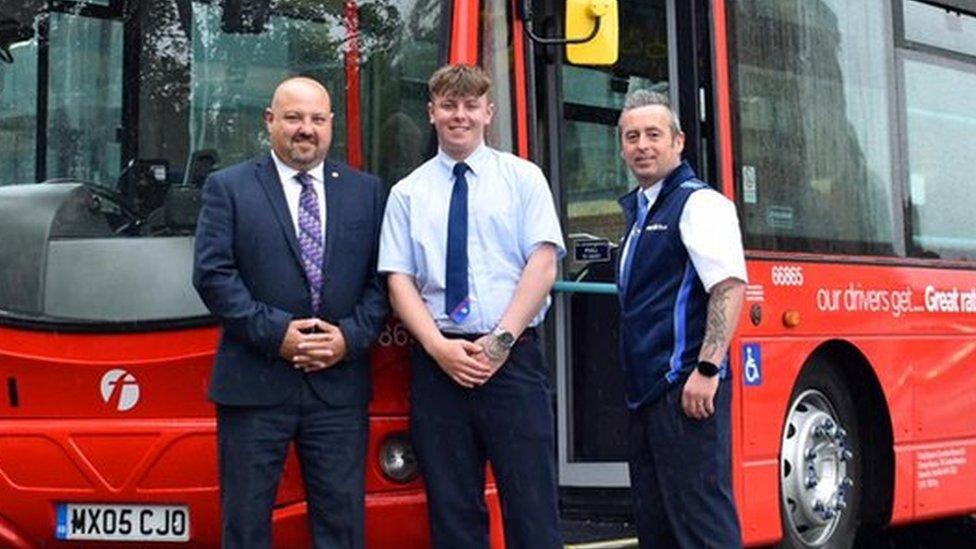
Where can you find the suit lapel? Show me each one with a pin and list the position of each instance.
(267, 176)
(333, 180)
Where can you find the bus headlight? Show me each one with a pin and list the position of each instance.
(397, 459)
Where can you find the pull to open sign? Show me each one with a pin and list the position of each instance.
(593, 251)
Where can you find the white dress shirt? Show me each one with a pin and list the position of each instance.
(293, 189)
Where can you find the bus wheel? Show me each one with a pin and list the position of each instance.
(820, 464)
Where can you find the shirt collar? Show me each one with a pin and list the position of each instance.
(476, 160)
(287, 173)
(651, 192)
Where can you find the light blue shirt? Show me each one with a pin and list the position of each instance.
(510, 213)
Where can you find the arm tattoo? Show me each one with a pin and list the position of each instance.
(717, 329)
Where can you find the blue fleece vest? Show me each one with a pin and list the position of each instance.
(663, 310)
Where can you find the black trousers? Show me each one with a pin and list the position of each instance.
(331, 443)
(681, 474)
(507, 421)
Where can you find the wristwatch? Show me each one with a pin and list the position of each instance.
(503, 338)
(707, 369)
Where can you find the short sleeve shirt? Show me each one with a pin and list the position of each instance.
(510, 213)
(709, 230)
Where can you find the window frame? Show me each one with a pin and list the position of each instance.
(901, 40)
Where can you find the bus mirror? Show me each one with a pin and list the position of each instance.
(591, 30)
(12, 33)
(582, 16)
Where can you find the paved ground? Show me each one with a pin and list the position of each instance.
(585, 533)
(957, 533)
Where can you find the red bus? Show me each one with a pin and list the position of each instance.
(841, 129)
(112, 113)
(849, 129)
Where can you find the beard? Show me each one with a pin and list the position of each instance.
(304, 151)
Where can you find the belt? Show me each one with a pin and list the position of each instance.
(530, 334)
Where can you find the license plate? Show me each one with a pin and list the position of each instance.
(110, 522)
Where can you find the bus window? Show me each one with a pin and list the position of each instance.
(85, 97)
(940, 132)
(395, 63)
(814, 153)
(18, 105)
(496, 58)
(233, 75)
(131, 104)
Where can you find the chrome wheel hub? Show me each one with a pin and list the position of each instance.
(814, 483)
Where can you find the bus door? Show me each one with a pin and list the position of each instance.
(664, 46)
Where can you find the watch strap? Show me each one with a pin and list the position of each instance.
(504, 338)
(707, 369)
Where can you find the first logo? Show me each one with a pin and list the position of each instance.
(120, 389)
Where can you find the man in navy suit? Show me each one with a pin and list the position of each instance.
(286, 250)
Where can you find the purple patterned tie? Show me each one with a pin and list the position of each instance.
(310, 237)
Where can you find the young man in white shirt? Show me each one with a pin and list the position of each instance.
(470, 240)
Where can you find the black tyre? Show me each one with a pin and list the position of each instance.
(821, 463)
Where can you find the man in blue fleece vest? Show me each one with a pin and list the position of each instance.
(681, 279)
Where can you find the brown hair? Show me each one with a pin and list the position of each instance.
(460, 79)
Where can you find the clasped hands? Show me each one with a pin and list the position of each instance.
(469, 363)
(312, 344)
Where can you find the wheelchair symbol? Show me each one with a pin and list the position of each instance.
(753, 364)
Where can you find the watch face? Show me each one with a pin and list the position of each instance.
(506, 339)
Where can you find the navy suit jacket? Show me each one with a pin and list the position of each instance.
(248, 271)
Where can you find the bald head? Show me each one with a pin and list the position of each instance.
(299, 122)
(299, 85)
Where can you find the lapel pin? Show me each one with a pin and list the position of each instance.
(335, 174)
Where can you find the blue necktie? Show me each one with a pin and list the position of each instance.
(456, 302)
(643, 206)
